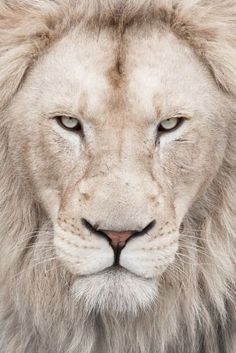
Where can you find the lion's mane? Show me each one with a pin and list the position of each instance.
(196, 307)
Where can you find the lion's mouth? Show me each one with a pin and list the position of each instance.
(115, 269)
(117, 253)
(117, 239)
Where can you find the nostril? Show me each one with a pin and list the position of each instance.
(91, 228)
(146, 229)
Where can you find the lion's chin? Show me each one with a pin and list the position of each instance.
(115, 290)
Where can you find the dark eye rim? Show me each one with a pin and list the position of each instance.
(179, 123)
(77, 129)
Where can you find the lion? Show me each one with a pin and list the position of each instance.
(118, 176)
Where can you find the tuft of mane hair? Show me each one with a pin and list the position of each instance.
(196, 308)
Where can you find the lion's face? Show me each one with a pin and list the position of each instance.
(118, 181)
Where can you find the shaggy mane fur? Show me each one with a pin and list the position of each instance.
(196, 309)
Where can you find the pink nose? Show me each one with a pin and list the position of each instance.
(118, 238)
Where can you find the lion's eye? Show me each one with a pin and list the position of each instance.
(69, 123)
(169, 124)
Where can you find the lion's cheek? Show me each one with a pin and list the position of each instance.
(80, 255)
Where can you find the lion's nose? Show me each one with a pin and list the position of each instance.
(118, 239)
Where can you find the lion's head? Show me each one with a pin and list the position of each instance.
(116, 143)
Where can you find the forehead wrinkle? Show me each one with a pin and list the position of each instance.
(158, 104)
(83, 105)
(115, 73)
(117, 80)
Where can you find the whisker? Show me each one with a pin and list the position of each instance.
(35, 265)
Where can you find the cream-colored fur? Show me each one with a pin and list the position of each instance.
(120, 67)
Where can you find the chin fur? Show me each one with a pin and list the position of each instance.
(116, 291)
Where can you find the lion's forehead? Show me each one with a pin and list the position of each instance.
(99, 75)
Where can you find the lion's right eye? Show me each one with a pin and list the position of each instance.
(69, 123)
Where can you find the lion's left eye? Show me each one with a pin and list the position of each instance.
(169, 124)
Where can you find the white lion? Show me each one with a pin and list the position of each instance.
(118, 176)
